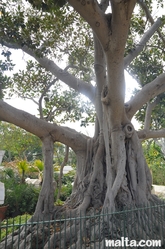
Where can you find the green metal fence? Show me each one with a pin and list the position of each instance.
(142, 227)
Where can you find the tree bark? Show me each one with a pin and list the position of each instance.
(61, 172)
(45, 204)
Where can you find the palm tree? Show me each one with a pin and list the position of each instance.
(23, 167)
(39, 166)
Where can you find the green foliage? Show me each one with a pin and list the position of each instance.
(68, 178)
(59, 202)
(153, 153)
(58, 33)
(149, 64)
(21, 198)
(158, 174)
(157, 117)
(23, 167)
(47, 5)
(7, 229)
(39, 165)
(46, 32)
(66, 191)
(5, 65)
(9, 173)
(59, 152)
(67, 181)
(156, 161)
(53, 99)
(18, 143)
(61, 33)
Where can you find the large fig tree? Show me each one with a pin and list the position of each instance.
(99, 39)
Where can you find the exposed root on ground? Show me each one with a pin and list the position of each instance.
(92, 229)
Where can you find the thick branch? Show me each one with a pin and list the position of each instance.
(150, 107)
(121, 14)
(100, 72)
(104, 5)
(92, 13)
(148, 92)
(134, 53)
(78, 85)
(115, 92)
(42, 95)
(61, 171)
(41, 128)
(143, 134)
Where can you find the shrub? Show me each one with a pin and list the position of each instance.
(21, 198)
(69, 177)
(158, 175)
(66, 191)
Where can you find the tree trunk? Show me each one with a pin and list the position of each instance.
(61, 172)
(124, 183)
(45, 204)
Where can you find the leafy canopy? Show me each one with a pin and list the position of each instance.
(54, 34)
(55, 30)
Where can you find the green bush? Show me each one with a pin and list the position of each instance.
(66, 188)
(21, 198)
(66, 191)
(158, 175)
(155, 160)
(69, 177)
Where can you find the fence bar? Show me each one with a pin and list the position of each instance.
(135, 223)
